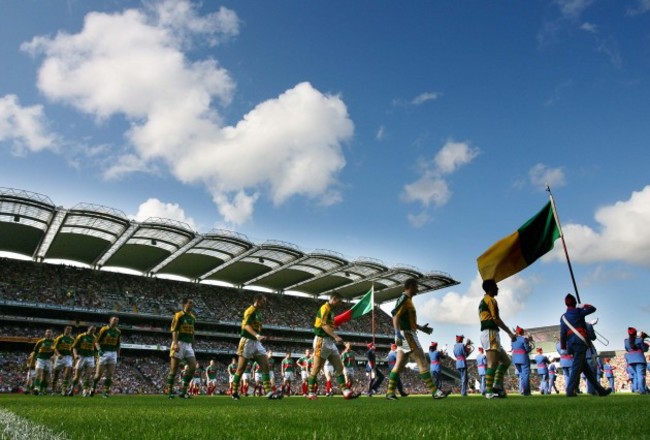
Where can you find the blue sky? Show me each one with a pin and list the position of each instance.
(416, 134)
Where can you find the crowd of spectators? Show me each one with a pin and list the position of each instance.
(75, 287)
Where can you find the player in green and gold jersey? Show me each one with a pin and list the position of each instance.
(43, 352)
(83, 351)
(325, 341)
(182, 329)
(406, 340)
(108, 347)
(63, 359)
(250, 347)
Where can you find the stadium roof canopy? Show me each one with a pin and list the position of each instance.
(101, 237)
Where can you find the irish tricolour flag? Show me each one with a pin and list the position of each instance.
(361, 308)
(520, 249)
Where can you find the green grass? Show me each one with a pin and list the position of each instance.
(204, 418)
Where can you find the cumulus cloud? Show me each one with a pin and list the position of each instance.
(572, 8)
(642, 7)
(589, 27)
(155, 208)
(381, 132)
(622, 234)
(461, 308)
(25, 128)
(424, 97)
(541, 175)
(133, 64)
(432, 187)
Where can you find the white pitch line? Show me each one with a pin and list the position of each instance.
(13, 427)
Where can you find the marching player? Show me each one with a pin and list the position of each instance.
(251, 348)
(271, 362)
(195, 383)
(542, 371)
(108, 347)
(520, 350)
(303, 364)
(325, 341)
(497, 358)
(83, 351)
(63, 359)
(211, 377)
(232, 368)
(287, 366)
(406, 340)
(481, 365)
(349, 365)
(182, 330)
(43, 352)
(30, 379)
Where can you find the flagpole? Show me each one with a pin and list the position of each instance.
(566, 252)
(372, 302)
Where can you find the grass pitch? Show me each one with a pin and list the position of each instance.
(157, 418)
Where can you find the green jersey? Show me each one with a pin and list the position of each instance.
(183, 323)
(287, 365)
(109, 338)
(85, 345)
(252, 317)
(44, 348)
(348, 359)
(211, 371)
(63, 344)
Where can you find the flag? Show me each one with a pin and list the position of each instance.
(361, 308)
(522, 248)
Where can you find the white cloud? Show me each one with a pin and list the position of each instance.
(155, 208)
(589, 27)
(424, 97)
(454, 155)
(541, 175)
(432, 188)
(572, 8)
(380, 133)
(24, 127)
(642, 7)
(622, 236)
(132, 64)
(462, 308)
(419, 220)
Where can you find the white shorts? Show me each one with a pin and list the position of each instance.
(246, 377)
(349, 371)
(329, 368)
(490, 340)
(258, 377)
(272, 376)
(108, 358)
(212, 382)
(44, 364)
(63, 362)
(304, 374)
(410, 342)
(324, 347)
(231, 379)
(288, 375)
(250, 348)
(185, 351)
(196, 381)
(85, 362)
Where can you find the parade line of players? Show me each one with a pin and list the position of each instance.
(51, 357)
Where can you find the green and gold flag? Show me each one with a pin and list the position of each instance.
(520, 249)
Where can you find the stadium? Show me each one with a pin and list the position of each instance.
(108, 265)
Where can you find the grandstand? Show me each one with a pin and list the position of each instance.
(222, 271)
